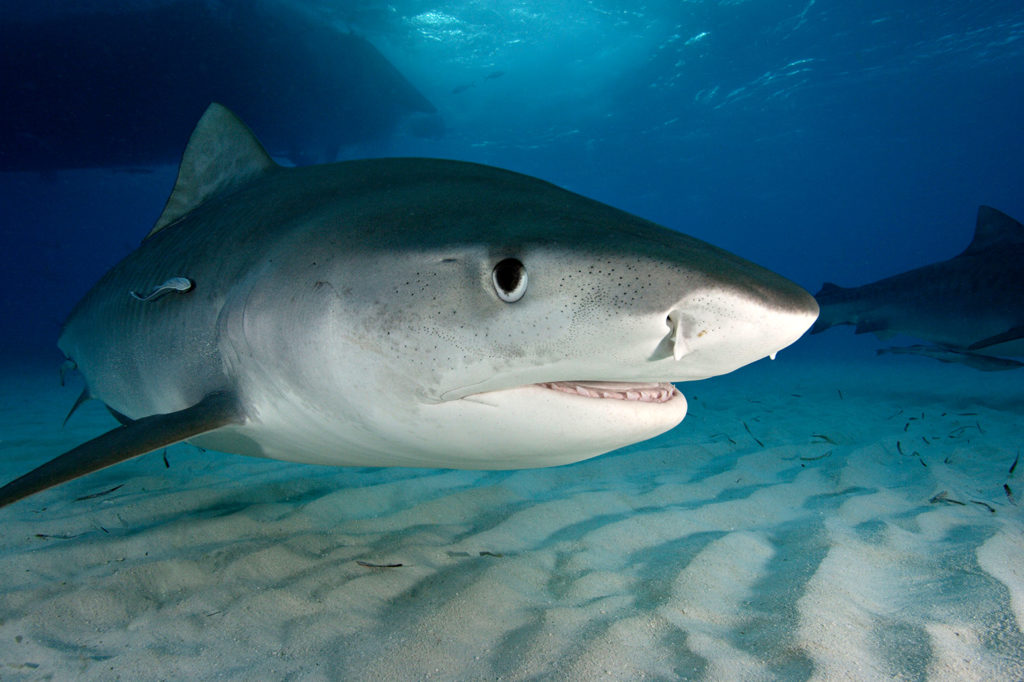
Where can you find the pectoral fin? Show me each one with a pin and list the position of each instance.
(879, 328)
(82, 398)
(134, 439)
(1012, 334)
(985, 363)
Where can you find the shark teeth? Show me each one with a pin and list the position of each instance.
(615, 390)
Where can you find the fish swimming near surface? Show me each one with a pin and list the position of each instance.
(971, 307)
(403, 312)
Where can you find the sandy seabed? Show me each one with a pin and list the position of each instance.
(808, 520)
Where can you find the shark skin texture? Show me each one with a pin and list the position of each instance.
(970, 307)
(403, 312)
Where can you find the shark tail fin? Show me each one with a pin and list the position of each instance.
(137, 438)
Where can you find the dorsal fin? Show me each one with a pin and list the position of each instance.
(994, 228)
(829, 289)
(222, 154)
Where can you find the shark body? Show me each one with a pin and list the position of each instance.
(970, 307)
(403, 312)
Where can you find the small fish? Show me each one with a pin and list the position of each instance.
(986, 505)
(943, 496)
(752, 435)
(179, 284)
(101, 494)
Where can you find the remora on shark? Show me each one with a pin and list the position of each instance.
(971, 307)
(403, 312)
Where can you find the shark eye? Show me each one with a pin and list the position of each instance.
(509, 277)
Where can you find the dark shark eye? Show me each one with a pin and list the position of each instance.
(509, 277)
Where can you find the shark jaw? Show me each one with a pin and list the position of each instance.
(556, 423)
(637, 391)
(528, 426)
(660, 392)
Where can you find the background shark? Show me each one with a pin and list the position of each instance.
(403, 312)
(971, 306)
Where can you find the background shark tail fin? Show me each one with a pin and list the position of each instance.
(138, 438)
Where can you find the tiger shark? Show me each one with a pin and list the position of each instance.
(970, 307)
(403, 312)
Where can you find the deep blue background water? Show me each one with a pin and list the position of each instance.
(825, 139)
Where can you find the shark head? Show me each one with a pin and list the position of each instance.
(438, 313)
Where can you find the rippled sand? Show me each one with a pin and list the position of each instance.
(806, 521)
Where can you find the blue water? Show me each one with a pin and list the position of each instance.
(826, 140)
(810, 519)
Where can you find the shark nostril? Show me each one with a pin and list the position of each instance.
(679, 323)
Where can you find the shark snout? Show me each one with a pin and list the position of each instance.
(716, 332)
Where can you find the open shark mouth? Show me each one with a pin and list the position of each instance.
(616, 390)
